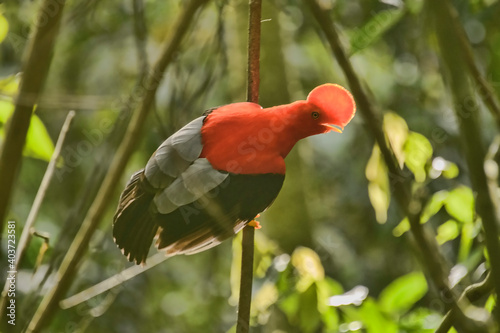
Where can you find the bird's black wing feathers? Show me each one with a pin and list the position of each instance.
(218, 215)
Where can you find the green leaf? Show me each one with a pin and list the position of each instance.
(401, 294)
(378, 186)
(460, 204)
(419, 320)
(4, 27)
(396, 130)
(374, 320)
(309, 317)
(401, 228)
(418, 150)
(451, 170)
(290, 306)
(374, 29)
(447, 231)
(433, 205)
(38, 142)
(466, 239)
(308, 266)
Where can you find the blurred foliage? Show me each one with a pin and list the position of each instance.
(323, 263)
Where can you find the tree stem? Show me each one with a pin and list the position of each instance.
(247, 244)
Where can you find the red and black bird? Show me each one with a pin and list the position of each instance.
(216, 174)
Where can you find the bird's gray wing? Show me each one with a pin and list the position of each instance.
(176, 172)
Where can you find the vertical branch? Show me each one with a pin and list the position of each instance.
(38, 56)
(247, 244)
(30, 221)
(431, 259)
(68, 268)
(467, 113)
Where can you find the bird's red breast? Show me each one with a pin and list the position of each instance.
(244, 138)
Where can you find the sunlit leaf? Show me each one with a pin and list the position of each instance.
(378, 186)
(235, 270)
(467, 236)
(396, 130)
(290, 306)
(401, 294)
(308, 266)
(451, 170)
(374, 320)
(264, 298)
(490, 303)
(460, 204)
(331, 319)
(401, 228)
(38, 142)
(433, 206)
(4, 27)
(447, 231)
(418, 151)
(9, 85)
(374, 29)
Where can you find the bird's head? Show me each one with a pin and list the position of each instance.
(331, 107)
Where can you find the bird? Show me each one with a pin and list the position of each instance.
(216, 174)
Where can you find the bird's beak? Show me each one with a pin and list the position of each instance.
(335, 128)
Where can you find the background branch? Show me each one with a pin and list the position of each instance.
(69, 265)
(35, 208)
(468, 117)
(38, 56)
(431, 259)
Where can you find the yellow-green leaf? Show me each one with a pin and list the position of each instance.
(433, 205)
(418, 150)
(378, 186)
(460, 204)
(447, 231)
(401, 294)
(4, 27)
(396, 130)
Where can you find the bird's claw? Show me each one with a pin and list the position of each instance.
(255, 224)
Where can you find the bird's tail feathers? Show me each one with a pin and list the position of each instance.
(133, 225)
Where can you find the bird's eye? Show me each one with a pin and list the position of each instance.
(315, 115)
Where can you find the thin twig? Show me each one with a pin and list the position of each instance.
(247, 244)
(42, 190)
(431, 259)
(38, 57)
(75, 253)
(112, 282)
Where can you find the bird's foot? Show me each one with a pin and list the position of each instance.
(255, 223)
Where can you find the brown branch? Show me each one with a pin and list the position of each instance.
(75, 253)
(468, 116)
(247, 244)
(38, 56)
(30, 221)
(431, 259)
(483, 86)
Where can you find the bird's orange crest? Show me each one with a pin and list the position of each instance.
(336, 100)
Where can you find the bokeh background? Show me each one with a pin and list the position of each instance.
(333, 254)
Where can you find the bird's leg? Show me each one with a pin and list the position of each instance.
(255, 223)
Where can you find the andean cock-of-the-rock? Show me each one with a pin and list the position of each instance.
(217, 173)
